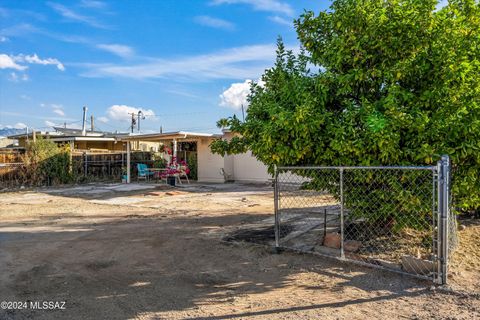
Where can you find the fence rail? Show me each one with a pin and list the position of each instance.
(395, 217)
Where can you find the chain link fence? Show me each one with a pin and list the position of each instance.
(396, 218)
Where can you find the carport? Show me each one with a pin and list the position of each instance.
(202, 139)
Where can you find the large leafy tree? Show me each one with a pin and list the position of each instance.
(398, 83)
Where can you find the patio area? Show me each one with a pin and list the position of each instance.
(182, 151)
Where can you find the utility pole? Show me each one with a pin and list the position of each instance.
(134, 122)
(92, 127)
(243, 113)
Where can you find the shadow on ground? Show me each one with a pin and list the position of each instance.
(112, 190)
(126, 268)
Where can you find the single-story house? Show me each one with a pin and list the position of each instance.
(89, 141)
(210, 167)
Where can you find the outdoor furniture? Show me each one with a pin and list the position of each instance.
(182, 172)
(158, 173)
(144, 172)
(177, 171)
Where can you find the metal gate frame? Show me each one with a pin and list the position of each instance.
(441, 212)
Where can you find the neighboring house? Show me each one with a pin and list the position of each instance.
(90, 141)
(6, 142)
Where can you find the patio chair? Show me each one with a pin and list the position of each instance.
(182, 172)
(143, 172)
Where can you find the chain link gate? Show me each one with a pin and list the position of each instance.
(395, 218)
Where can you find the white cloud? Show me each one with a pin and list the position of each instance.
(214, 22)
(14, 77)
(49, 123)
(25, 97)
(102, 119)
(93, 4)
(19, 30)
(123, 112)
(7, 62)
(74, 16)
(34, 59)
(58, 109)
(20, 125)
(60, 112)
(261, 5)
(117, 49)
(280, 20)
(234, 63)
(236, 95)
(3, 39)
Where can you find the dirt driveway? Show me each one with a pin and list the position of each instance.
(140, 252)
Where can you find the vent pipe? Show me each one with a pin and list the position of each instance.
(84, 128)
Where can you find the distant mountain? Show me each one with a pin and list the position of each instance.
(10, 131)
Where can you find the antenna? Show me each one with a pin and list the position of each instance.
(140, 116)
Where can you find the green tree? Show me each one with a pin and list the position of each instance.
(398, 83)
(47, 163)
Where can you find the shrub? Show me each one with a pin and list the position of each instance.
(397, 83)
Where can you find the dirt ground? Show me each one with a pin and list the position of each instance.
(149, 252)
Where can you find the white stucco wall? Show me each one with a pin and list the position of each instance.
(239, 167)
(248, 168)
(229, 167)
(209, 164)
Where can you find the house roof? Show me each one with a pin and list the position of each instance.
(71, 134)
(38, 133)
(78, 132)
(81, 138)
(179, 135)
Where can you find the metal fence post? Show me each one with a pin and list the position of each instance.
(85, 169)
(277, 217)
(444, 213)
(342, 252)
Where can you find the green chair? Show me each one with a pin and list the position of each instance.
(143, 172)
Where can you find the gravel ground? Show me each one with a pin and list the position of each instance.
(146, 252)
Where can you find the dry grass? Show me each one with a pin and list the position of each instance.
(465, 262)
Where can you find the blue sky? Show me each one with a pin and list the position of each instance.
(184, 63)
